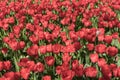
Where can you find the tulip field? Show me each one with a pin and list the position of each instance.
(59, 39)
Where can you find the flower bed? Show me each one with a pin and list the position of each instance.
(59, 39)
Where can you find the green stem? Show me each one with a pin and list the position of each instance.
(16, 66)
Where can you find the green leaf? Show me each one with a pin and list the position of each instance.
(24, 34)
(118, 62)
(115, 43)
(16, 66)
(94, 21)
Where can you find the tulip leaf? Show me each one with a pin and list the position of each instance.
(16, 65)
(118, 62)
(115, 43)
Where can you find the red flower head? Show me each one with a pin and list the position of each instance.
(70, 48)
(23, 62)
(108, 39)
(11, 35)
(6, 39)
(66, 57)
(43, 49)
(49, 48)
(101, 62)
(75, 64)
(33, 50)
(50, 60)
(11, 20)
(1, 65)
(30, 65)
(71, 27)
(115, 35)
(56, 48)
(77, 45)
(63, 36)
(30, 27)
(90, 72)
(39, 67)
(4, 50)
(51, 26)
(58, 70)
(21, 44)
(80, 33)
(87, 23)
(47, 77)
(41, 35)
(68, 42)
(12, 75)
(7, 65)
(112, 66)
(48, 36)
(67, 75)
(33, 39)
(90, 46)
(101, 48)
(79, 71)
(116, 72)
(14, 45)
(25, 72)
(73, 36)
(94, 57)
(100, 33)
(16, 30)
(106, 71)
(90, 34)
(111, 51)
(56, 32)
(65, 66)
